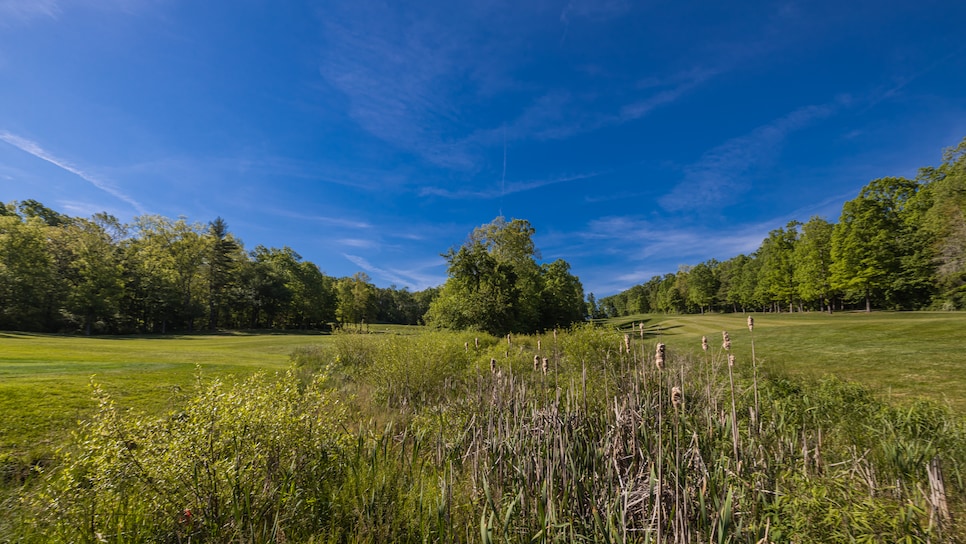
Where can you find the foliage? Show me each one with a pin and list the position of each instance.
(467, 442)
(496, 286)
(898, 245)
(97, 275)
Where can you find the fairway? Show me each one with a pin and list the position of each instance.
(45, 379)
(901, 355)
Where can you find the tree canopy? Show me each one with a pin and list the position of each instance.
(899, 244)
(496, 285)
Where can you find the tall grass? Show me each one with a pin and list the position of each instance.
(463, 438)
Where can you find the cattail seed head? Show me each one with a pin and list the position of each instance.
(477, 342)
(546, 365)
(493, 365)
(466, 346)
(725, 341)
(659, 356)
(640, 327)
(677, 398)
(539, 344)
(508, 339)
(555, 335)
(536, 363)
(704, 343)
(627, 343)
(731, 361)
(751, 323)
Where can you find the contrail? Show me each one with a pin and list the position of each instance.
(34, 149)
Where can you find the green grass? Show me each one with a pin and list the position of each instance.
(45, 379)
(903, 355)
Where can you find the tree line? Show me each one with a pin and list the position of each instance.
(157, 275)
(900, 244)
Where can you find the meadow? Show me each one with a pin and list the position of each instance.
(835, 431)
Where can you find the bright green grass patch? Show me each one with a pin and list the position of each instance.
(901, 354)
(45, 379)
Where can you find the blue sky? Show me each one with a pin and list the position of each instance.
(634, 136)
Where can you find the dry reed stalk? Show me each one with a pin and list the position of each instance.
(754, 366)
(734, 414)
(659, 353)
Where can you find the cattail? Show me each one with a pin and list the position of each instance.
(725, 341)
(477, 342)
(751, 323)
(704, 343)
(731, 361)
(536, 363)
(466, 346)
(641, 327)
(539, 344)
(659, 356)
(546, 365)
(627, 343)
(677, 398)
(493, 365)
(555, 336)
(508, 339)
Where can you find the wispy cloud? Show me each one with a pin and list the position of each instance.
(328, 220)
(415, 279)
(23, 10)
(508, 189)
(32, 148)
(725, 172)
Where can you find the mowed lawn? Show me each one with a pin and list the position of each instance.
(45, 379)
(902, 355)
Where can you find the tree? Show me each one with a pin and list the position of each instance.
(356, 298)
(93, 271)
(776, 275)
(562, 297)
(813, 259)
(867, 242)
(29, 286)
(221, 259)
(944, 222)
(495, 284)
(702, 285)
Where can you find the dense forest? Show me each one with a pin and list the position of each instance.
(900, 244)
(156, 275)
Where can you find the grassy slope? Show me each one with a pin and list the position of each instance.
(44, 379)
(904, 355)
